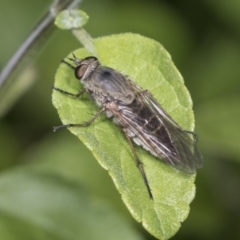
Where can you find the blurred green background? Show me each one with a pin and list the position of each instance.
(42, 170)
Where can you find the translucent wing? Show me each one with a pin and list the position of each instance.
(151, 127)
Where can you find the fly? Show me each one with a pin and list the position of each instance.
(136, 112)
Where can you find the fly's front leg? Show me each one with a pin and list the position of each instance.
(139, 163)
(65, 92)
(85, 124)
(68, 64)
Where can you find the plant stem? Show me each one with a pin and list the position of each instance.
(84, 37)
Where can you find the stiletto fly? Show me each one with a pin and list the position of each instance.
(138, 115)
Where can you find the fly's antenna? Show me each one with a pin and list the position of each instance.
(75, 59)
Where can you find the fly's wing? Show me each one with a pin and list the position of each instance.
(155, 130)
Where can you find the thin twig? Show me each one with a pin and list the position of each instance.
(43, 26)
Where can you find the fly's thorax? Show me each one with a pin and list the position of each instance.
(111, 84)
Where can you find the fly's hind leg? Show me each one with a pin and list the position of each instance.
(139, 163)
(195, 136)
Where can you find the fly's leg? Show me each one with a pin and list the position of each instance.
(85, 124)
(195, 136)
(139, 163)
(63, 61)
(65, 92)
(75, 95)
(68, 93)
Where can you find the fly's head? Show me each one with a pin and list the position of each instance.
(84, 67)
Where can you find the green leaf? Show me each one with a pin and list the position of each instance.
(147, 63)
(35, 205)
(69, 19)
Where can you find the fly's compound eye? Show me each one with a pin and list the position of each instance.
(85, 67)
(80, 71)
